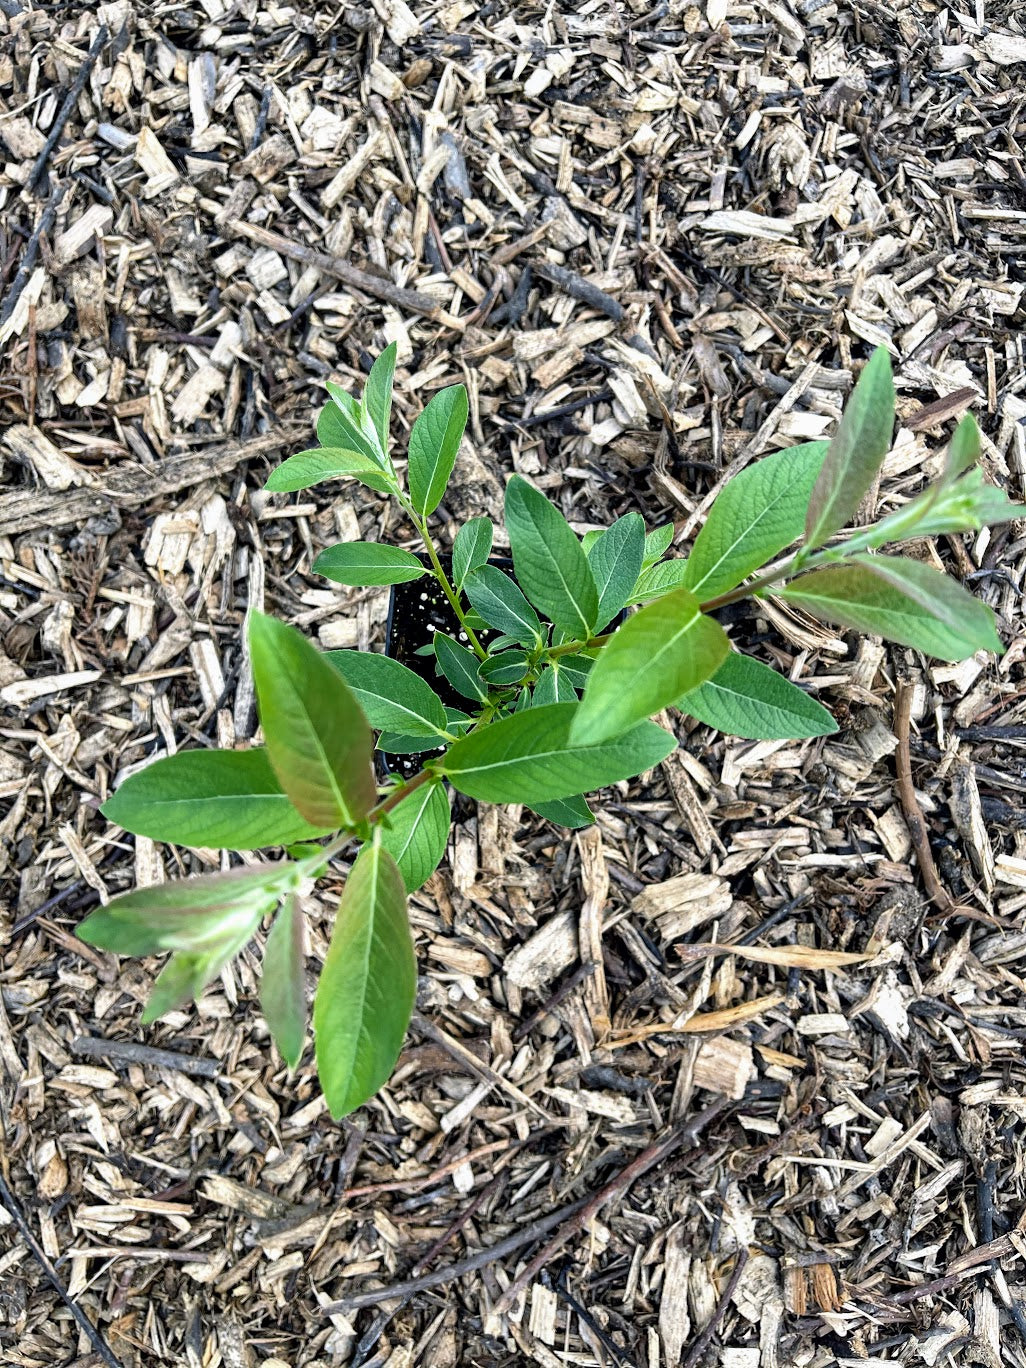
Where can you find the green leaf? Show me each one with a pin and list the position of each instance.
(500, 604)
(576, 669)
(367, 563)
(902, 600)
(657, 543)
(377, 395)
(508, 667)
(282, 982)
(434, 445)
(529, 758)
(615, 558)
(416, 833)
(554, 687)
(460, 667)
(567, 812)
(551, 567)
(309, 468)
(201, 914)
(659, 579)
(859, 445)
(963, 449)
(223, 800)
(317, 738)
(758, 514)
(661, 652)
(182, 979)
(341, 424)
(392, 697)
(368, 984)
(746, 698)
(471, 548)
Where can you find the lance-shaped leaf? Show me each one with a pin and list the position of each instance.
(434, 445)
(344, 424)
(656, 580)
(377, 395)
(392, 697)
(657, 543)
(550, 563)
(616, 557)
(460, 667)
(201, 914)
(309, 468)
(505, 668)
(471, 548)
(553, 687)
(746, 698)
(500, 604)
(666, 649)
(902, 600)
(317, 738)
(530, 757)
(856, 452)
(283, 983)
(415, 833)
(368, 563)
(367, 986)
(224, 800)
(566, 812)
(759, 513)
(963, 449)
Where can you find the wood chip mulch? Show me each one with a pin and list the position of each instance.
(655, 242)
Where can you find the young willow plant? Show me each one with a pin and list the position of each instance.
(557, 686)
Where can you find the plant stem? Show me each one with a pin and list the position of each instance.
(442, 578)
(397, 795)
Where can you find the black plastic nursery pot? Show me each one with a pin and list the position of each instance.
(416, 610)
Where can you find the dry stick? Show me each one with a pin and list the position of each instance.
(131, 1053)
(70, 100)
(939, 895)
(580, 1219)
(28, 261)
(579, 288)
(100, 1345)
(702, 1343)
(570, 1219)
(379, 286)
(481, 1258)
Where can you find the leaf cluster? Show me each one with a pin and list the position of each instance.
(560, 667)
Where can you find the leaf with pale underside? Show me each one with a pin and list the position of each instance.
(368, 563)
(283, 982)
(902, 600)
(216, 799)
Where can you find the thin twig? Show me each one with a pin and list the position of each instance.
(579, 288)
(28, 260)
(69, 102)
(656, 1153)
(702, 1343)
(100, 1345)
(132, 1053)
(481, 1258)
(378, 286)
(939, 895)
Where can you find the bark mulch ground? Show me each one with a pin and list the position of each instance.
(654, 242)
